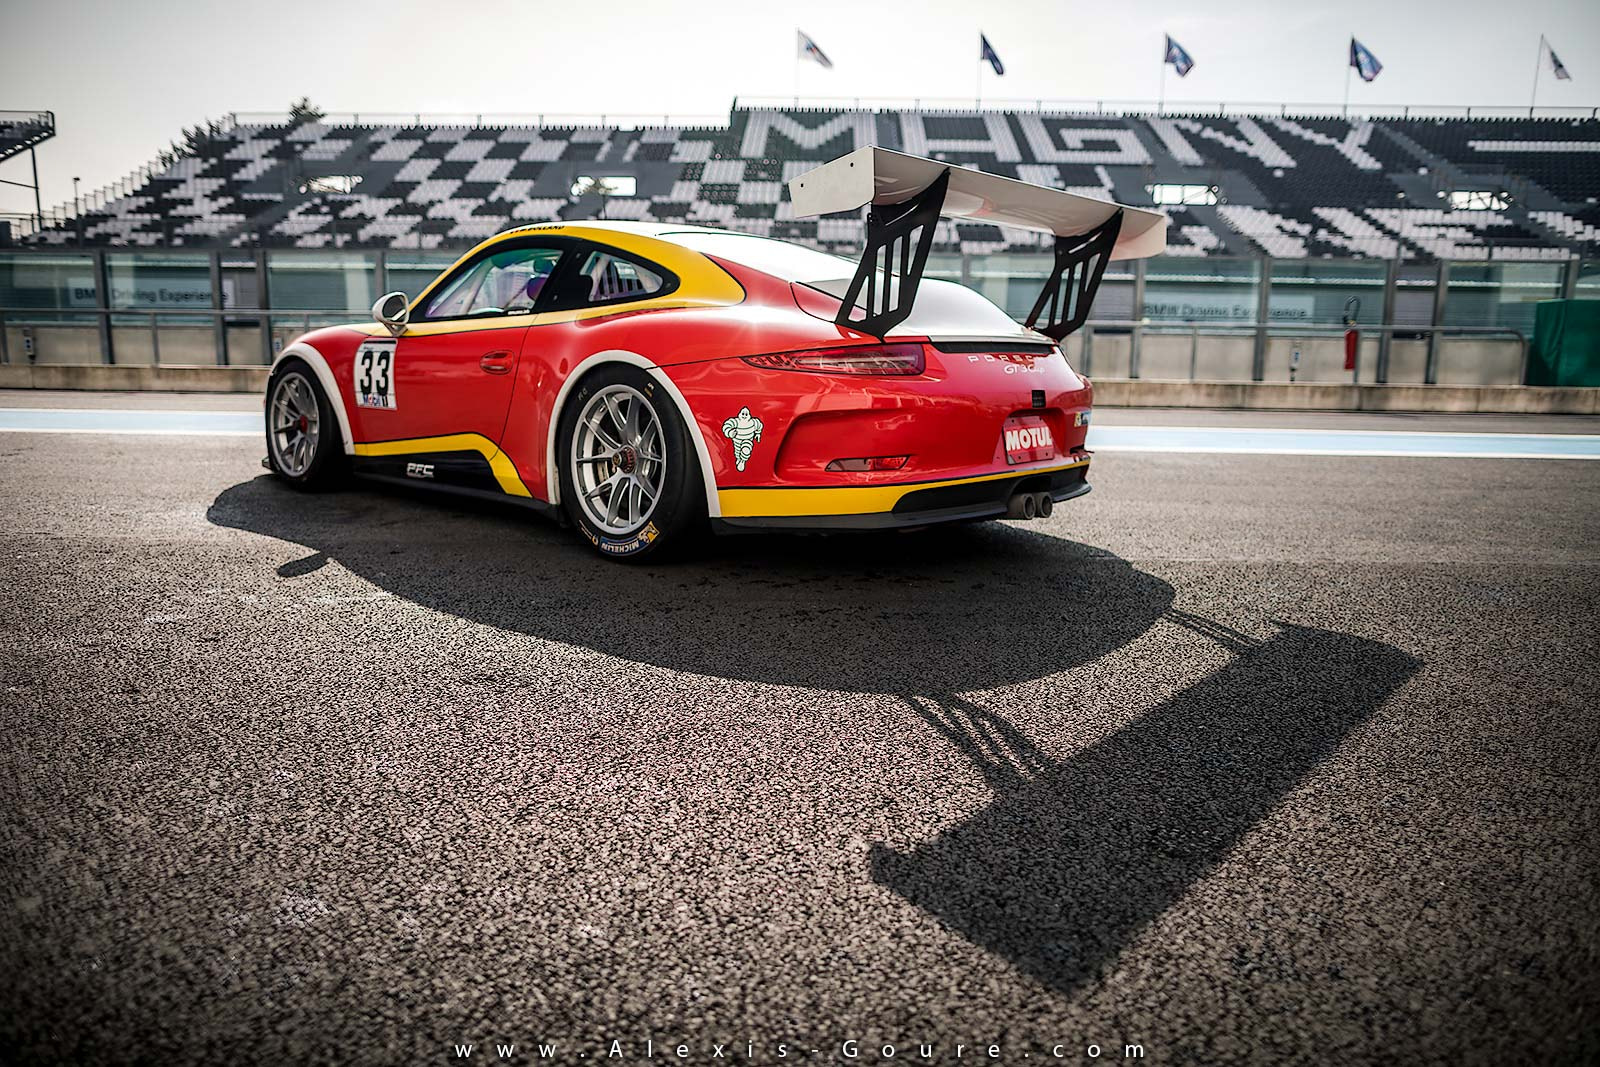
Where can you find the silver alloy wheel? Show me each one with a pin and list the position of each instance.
(294, 424)
(618, 460)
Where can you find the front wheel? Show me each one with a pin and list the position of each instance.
(303, 445)
(630, 481)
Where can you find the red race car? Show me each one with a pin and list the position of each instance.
(643, 378)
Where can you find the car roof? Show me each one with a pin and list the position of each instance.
(644, 229)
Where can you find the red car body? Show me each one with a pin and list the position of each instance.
(655, 375)
(478, 402)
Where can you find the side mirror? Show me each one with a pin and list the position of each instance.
(392, 310)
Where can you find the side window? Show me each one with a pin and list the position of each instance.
(605, 278)
(502, 283)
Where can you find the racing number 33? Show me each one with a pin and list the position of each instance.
(374, 373)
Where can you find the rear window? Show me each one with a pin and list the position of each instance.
(613, 278)
(943, 308)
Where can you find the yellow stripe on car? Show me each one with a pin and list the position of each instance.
(853, 500)
(505, 472)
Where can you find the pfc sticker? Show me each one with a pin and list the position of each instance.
(744, 430)
(374, 374)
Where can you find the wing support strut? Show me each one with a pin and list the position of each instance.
(899, 237)
(1069, 291)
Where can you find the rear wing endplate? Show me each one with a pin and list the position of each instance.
(907, 194)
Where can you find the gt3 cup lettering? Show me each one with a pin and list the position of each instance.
(374, 375)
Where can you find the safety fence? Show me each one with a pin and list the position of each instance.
(1464, 322)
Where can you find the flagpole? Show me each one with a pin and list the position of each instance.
(977, 91)
(1538, 61)
(1161, 97)
(1347, 69)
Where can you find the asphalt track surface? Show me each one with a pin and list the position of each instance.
(1241, 758)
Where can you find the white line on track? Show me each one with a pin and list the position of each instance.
(131, 432)
(1195, 440)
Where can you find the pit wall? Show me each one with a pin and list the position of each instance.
(1169, 357)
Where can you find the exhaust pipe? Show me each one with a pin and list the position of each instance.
(1022, 506)
(1045, 506)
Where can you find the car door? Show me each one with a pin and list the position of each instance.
(432, 402)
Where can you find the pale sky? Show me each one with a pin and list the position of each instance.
(125, 76)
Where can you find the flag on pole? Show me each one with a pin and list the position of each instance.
(1180, 60)
(809, 50)
(1558, 68)
(987, 52)
(1365, 62)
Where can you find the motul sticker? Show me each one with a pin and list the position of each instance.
(1027, 439)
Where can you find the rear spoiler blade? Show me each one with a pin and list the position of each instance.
(907, 195)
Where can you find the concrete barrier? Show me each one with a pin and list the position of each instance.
(1109, 392)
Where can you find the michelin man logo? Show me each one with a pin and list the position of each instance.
(744, 430)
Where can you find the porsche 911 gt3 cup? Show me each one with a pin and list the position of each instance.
(644, 380)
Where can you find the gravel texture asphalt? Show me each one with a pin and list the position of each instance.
(1241, 759)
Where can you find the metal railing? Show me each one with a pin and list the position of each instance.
(292, 323)
(280, 325)
(1241, 108)
(622, 119)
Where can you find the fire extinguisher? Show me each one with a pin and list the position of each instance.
(1352, 336)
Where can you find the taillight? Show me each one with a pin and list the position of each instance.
(857, 359)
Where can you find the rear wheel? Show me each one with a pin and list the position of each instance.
(302, 429)
(630, 481)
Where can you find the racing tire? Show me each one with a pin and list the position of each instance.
(630, 477)
(303, 440)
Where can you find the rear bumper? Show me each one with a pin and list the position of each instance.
(892, 507)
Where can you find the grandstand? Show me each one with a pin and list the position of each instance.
(1287, 187)
(23, 131)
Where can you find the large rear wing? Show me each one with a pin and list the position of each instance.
(907, 195)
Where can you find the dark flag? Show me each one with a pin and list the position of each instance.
(988, 53)
(1180, 60)
(809, 50)
(1365, 62)
(1558, 68)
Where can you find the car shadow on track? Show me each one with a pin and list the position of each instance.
(1074, 857)
(948, 610)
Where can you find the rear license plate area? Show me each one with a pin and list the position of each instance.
(1027, 439)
